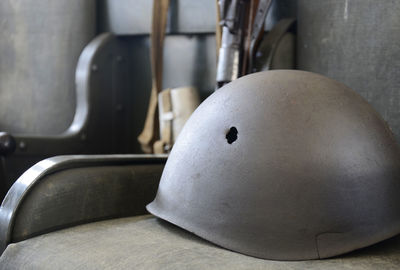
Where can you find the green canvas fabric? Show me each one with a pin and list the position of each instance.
(146, 242)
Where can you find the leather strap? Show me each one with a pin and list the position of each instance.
(151, 125)
(218, 29)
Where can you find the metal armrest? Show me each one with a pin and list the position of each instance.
(64, 191)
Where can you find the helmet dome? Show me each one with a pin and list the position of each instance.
(285, 165)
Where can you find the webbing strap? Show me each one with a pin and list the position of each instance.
(151, 125)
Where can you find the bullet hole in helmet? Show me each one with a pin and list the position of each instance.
(232, 135)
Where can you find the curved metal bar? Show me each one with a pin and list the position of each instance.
(36, 173)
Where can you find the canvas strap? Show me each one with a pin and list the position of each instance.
(151, 125)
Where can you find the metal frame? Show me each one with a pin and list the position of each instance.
(26, 183)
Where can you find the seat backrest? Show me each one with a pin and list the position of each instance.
(40, 43)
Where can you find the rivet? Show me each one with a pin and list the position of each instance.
(22, 145)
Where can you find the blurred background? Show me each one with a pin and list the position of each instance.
(75, 76)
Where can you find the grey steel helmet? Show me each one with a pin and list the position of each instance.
(285, 165)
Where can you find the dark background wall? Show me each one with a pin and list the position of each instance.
(356, 42)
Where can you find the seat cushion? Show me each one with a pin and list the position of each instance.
(145, 242)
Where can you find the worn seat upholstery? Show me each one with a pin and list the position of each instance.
(145, 242)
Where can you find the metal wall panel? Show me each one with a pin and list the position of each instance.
(188, 60)
(129, 17)
(40, 42)
(355, 42)
(134, 16)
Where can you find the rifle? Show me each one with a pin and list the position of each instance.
(242, 22)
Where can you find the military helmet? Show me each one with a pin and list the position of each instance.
(285, 165)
